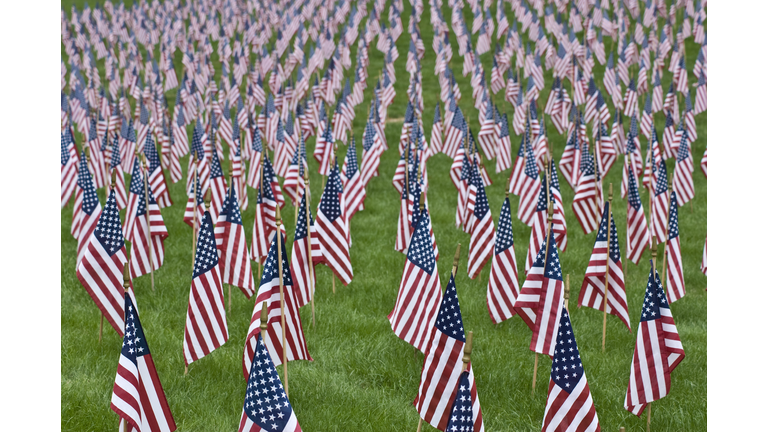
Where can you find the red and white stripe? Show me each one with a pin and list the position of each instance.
(584, 203)
(234, 261)
(296, 345)
(334, 243)
(575, 410)
(143, 261)
(682, 182)
(481, 243)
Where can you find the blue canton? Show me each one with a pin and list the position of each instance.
(301, 224)
(116, 160)
(567, 369)
(682, 152)
(553, 270)
(351, 159)
(137, 180)
(661, 182)
(266, 403)
(215, 165)
(504, 236)
(448, 319)
(134, 343)
(634, 195)
(330, 203)
(421, 251)
(271, 268)
(85, 181)
(109, 231)
(64, 148)
(206, 256)
(674, 229)
(655, 298)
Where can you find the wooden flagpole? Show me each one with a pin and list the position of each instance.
(309, 237)
(567, 294)
(468, 344)
(279, 235)
(607, 263)
(546, 248)
(149, 226)
(653, 272)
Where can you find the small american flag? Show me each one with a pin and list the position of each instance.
(682, 181)
(541, 298)
(604, 254)
(101, 267)
(87, 209)
(147, 233)
(675, 281)
(302, 269)
(138, 396)
(69, 162)
(206, 322)
(354, 189)
(658, 350)
(482, 239)
(234, 262)
(587, 193)
(503, 287)
(333, 228)
(528, 190)
(269, 291)
(638, 236)
(266, 407)
(569, 402)
(419, 294)
(441, 373)
(660, 203)
(503, 156)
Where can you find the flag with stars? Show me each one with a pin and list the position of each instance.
(539, 228)
(503, 287)
(660, 203)
(333, 228)
(69, 162)
(442, 369)
(675, 281)
(463, 410)
(266, 407)
(135, 190)
(682, 180)
(569, 402)
(529, 190)
(372, 150)
(121, 196)
(302, 254)
(354, 190)
(658, 349)
(418, 296)
(206, 323)
(195, 203)
(87, 209)
(541, 298)
(584, 203)
(254, 168)
(503, 156)
(138, 396)
(269, 291)
(147, 234)
(482, 238)
(218, 186)
(156, 177)
(593, 287)
(638, 235)
(101, 268)
(234, 262)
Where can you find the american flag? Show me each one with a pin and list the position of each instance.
(482, 239)
(670, 147)
(569, 402)
(658, 94)
(234, 262)
(487, 137)
(571, 155)
(701, 96)
(638, 236)
(69, 161)
(147, 236)
(658, 349)
(206, 322)
(87, 209)
(138, 396)
(587, 193)
(541, 298)
(682, 181)
(404, 221)
(503, 156)
(101, 268)
(436, 138)
(704, 163)
(156, 176)
(135, 190)
(559, 226)
(675, 281)
(264, 223)
(606, 151)
(503, 287)
(646, 120)
(302, 269)
(516, 179)
(605, 254)
(217, 185)
(354, 189)
(269, 291)
(539, 227)
(660, 203)
(195, 204)
(254, 168)
(372, 150)
(442, 370)
(419, 293)
(333, 228)
(528, 189)
(454, 134)
(266, 406)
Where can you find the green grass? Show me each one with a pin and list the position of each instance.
(363, 377)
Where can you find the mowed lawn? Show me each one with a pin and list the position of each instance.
(363, 377)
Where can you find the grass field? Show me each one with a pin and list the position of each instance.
(363, 377)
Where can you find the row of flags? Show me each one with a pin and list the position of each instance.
(292, 113)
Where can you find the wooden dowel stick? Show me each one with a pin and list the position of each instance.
(607, 264)
(101, 326)
(149, 226)
(567, 294)
(648, 424)
(535, 369)
(279, 235)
